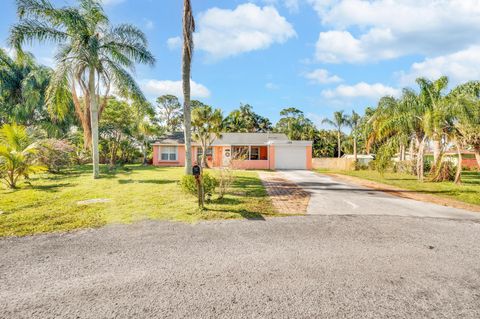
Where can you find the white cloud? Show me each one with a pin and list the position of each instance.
(223, 32)
(174, 43)
(112, 2)
(271, 86)
(149, 25)
(157, 88)
(322, 76)
(392, 28)
(292, 5)
(460, 67)
(360, 90)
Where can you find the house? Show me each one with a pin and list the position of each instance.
(468, 158)
(239, 151)
(362, 159)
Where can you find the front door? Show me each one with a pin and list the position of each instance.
(227, 156)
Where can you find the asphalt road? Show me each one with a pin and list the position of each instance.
(333, 197)
(293, 267)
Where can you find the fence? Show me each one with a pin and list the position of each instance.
(342, 164)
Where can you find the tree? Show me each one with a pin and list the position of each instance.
(17, 154)
(170, 112)
(23, 85)
(354, 123)
(295, 125)
(187, 53)
(339, 120)
(117, 124)
(436, 113)
(207, 126)
(245, 120)
(325, 143)
(91, 55)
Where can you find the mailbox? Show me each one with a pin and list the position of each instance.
(196, 170)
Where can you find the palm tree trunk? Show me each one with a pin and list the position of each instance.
(458, 174)
(420, 154)
(477, 157)
(339, 143)
(144, 151)
(436, 151)
(94, 122)
(355, 157)
(188, 27)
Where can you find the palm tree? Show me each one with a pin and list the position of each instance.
(17, 154)
(187, 54)
(354, 123)
(91, 55)
(437, 113)
(23, 85)
(339, 120)
(207, 125)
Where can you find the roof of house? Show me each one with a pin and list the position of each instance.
(229, 138)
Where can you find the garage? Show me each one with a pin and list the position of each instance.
(291, 156)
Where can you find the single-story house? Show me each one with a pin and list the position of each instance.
(239, 151)
(468, 158)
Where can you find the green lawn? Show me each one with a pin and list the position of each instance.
(468, 192)
(50, 203)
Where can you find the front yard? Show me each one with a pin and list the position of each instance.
(50, 202)
(468, 192)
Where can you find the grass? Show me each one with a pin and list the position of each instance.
(49, 202)
(468, 192)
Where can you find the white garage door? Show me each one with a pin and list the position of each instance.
(290, 157)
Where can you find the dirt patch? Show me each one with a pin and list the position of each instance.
(396, 191)
(287, 197)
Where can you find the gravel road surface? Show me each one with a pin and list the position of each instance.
(292, 267)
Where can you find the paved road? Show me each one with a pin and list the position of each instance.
(332, 197)
(293, 267)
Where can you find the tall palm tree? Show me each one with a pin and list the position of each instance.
(354, 123)
(338, 122)
(92, 56)
(187, 54)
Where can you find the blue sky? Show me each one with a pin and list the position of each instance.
(317, 55)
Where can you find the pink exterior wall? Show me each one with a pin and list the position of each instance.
(180, 157)
(309, 157)
(271, 157)
(247, 164)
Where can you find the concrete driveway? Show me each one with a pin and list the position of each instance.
(332, 197)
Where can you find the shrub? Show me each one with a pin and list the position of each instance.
(226, 179)
(189, 185)
(17, 154)
(55, 154)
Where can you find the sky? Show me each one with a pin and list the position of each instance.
(319, 56)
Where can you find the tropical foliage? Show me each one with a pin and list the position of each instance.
(17, 154)
(91, 55)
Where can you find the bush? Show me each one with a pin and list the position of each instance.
(226, 179)
(189, 185)
(55, 154)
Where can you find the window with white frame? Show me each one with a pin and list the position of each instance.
(168, 153)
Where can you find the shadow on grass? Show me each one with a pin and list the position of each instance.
(51, 188)
(226, 201)
(242, 212)
(146, 181)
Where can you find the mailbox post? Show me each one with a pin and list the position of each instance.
(197, 173)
